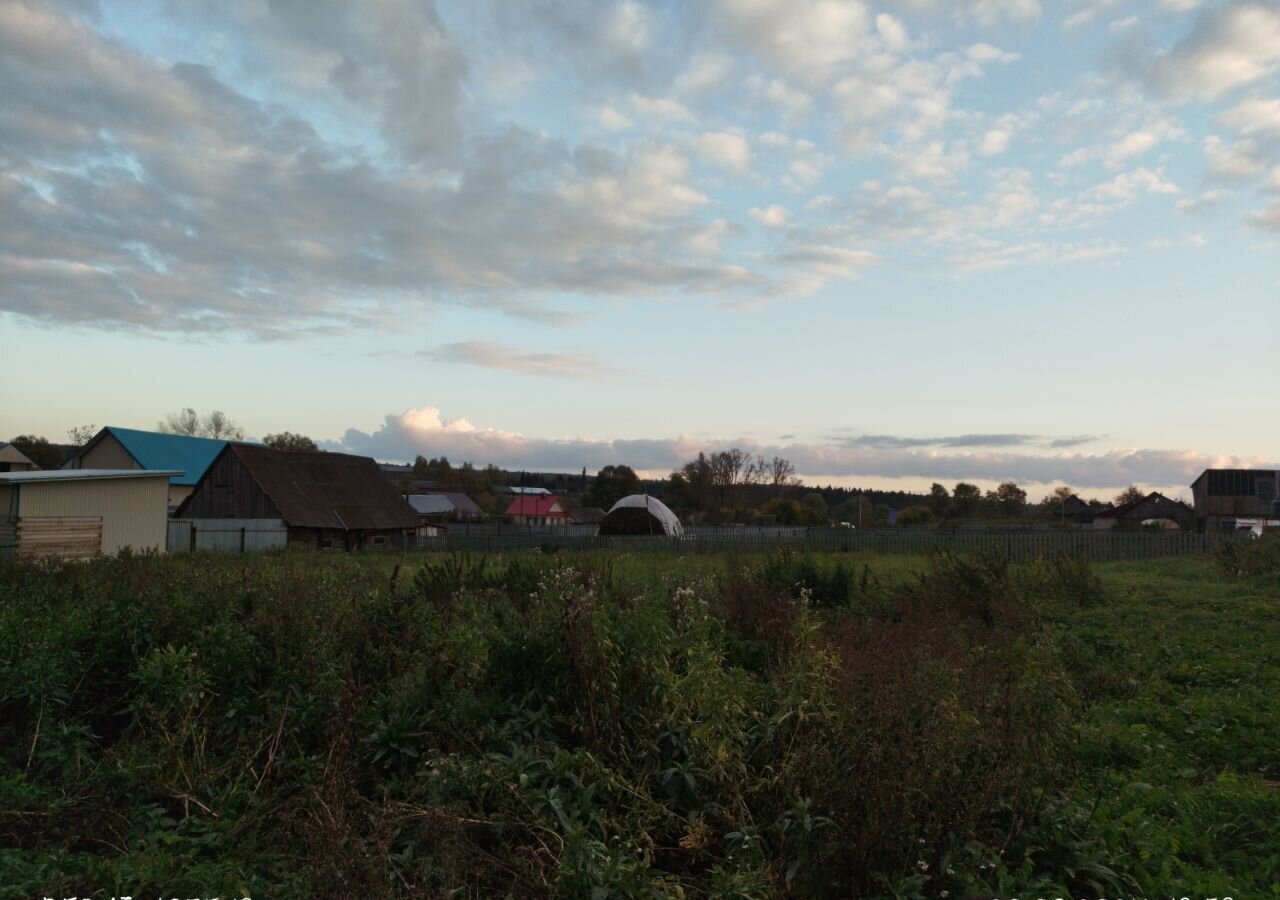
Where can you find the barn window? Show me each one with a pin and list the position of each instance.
(378, 540)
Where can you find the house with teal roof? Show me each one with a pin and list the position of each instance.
(129, 448)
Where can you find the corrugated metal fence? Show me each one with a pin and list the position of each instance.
(1017, 545)
(227, 535)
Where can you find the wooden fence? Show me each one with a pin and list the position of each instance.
(70, 537)
(1016, 545)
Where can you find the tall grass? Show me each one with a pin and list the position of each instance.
(318, 725)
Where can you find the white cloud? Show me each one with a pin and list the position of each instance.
(994, 142)
(1232, 46)
(791, 101)
(833, 262)
(1087, 10)
(625, 28)
(1208, 200)
(707, 241)
(986, 13)
(773, 216)
(992, 12)
(936, 161)
(491, 355)
(613, 120)
(1268, 218)
(706, 72)
(807, 40)
(1242, 161)
(1128, 186)
(179, 205)
(727, 149)
(892, 32)
(985, 53)
(1254, 116)
(661, 109)
(1128, 144)
(1036, 253)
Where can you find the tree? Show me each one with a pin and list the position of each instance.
(217, 425)
(79, 435)
(915, 515)
(189, 422)
(966, 497)
(612, 484)
(287, 440)
(938, 500)
(38, 450)
(817, 504)
(1131, 494)
(781, 473)
(729, 468)
(1008, 498)
(185, 422)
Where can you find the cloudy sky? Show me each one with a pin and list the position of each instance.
(914, 241)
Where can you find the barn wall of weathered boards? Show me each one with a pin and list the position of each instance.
(326, 500)
(82, 512)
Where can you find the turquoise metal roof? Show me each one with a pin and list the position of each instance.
(155, 450)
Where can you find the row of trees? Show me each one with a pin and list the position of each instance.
(726, 485)
(717, 480)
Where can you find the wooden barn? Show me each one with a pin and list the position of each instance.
(326, 500)
(1154, 509)
(1223, 496)
(76, 513)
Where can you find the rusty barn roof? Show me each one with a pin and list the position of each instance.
(326, 490)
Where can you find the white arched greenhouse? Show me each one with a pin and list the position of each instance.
(641, 514)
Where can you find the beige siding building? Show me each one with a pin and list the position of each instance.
(83, 512)
(14, 460)
(127, 448)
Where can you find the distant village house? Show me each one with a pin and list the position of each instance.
(128, 448)
(1224, 497)
(14, 460)
(443, 505)
(1155, 509)
(537, 509)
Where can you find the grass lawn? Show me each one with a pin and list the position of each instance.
(1178, 743)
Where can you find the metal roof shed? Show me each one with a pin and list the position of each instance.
(76, 513)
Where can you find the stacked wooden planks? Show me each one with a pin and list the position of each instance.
(71, 537)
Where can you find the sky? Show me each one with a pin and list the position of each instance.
(896, 243)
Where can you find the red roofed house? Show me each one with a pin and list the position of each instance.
(537, 509)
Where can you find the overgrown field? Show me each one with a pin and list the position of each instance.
(599, 726)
